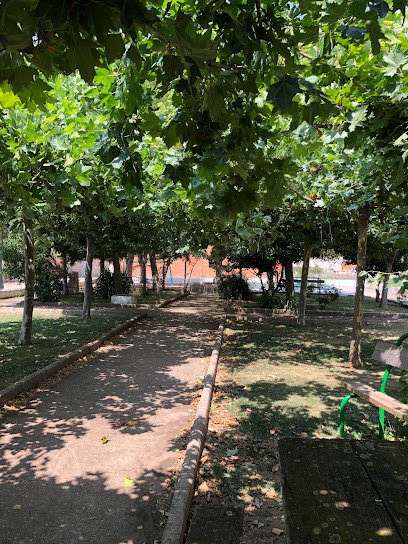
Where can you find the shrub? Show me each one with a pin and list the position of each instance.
(48, 284)
(292, 304)
(329, 295)
(104, 284)
(233, 288)
(267, 301)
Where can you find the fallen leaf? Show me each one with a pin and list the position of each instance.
(275, 468)
(131, 423)
(232, 452)
(273, 431)
(129, 482)
(276, 531)
(258, 503)
(204, 459)
(105, 439)
(304, 435)
(203, 488)
(17, 507)
(323, 427)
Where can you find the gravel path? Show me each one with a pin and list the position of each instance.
(59, 483)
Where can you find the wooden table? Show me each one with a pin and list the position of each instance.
(344, 491)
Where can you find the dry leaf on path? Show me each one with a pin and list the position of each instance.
(273, 431)
(277, 531)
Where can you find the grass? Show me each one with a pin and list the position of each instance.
(342, 304)
(53, 337)
(153, 298)
(279, 380)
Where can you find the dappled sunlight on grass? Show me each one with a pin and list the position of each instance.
(53, 337)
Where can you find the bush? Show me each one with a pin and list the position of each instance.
(330, 295)
(48, 284)
(267, 301)
(292, 304)
(104, 285)
(233, 288)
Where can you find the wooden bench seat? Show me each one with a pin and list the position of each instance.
(394, 356)
(389, 404)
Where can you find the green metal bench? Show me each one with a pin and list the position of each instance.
(394, 356)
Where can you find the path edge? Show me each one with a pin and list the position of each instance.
(180, 506)
(174, 299)
(35, 378)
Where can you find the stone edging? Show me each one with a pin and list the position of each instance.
(175, 299)
(180, 505)
(34, 379)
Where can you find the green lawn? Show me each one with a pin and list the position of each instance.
(53, 337)
(342, 303)
(279, 380)
(288, 378)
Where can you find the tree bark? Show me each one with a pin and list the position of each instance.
(129, 265)
(29, 273)
(102, 264)
(155, 273)
(289, 283)
(355, 344)
(117, 277)
(270, 274)
(142, 262)
(303, 285)
(65, 290)
(185, 274)
(384, 294)
(165, 269)
(88, 294)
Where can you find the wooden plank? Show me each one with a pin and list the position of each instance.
(387, 466)
(396, 356)
(391, 405)
(328, 496)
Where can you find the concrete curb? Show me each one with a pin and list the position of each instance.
(180, 506)
(34, 379)
(175, 299)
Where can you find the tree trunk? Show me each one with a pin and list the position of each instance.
(259, 274)
(355, 344)
(185, 274)
(289, 283)
(102, 265)
(377, 292)
(384, 294)
(155, 273)
(218, 269)
(129, 266)
(303, 285)
(165, 268)
(142, 262)
(117, 277)
(29, 273)
(88, 294)
(270, 274)
(65, 290)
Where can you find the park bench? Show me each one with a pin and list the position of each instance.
(394, 356)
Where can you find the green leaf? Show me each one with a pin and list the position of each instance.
(114, 47)
(118, 161)
(283, 92)
(375, 34)
(130, 482)
(151, 123)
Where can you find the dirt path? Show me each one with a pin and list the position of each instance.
(59, 483)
